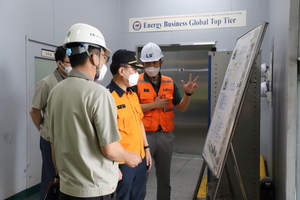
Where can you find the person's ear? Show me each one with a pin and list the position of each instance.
(161, 62)
(59, 64)
(121, 71)
(95, 60)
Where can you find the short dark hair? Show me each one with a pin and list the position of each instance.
(60, 53)
(114, 67)
(80, 59)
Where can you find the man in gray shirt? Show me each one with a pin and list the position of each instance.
(37, 112)
(82, 120)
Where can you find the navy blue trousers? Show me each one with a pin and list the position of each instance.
(48, 170)
(133, 184)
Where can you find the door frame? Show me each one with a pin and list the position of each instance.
(33, 50)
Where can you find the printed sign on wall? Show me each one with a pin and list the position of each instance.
(186, 22)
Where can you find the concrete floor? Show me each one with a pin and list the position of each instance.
(185, 171)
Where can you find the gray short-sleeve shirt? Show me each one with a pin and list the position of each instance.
(82, 117)
(41, 93)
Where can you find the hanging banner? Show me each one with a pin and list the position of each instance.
(187, 22)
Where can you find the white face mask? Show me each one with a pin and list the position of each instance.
(133, 79)
(152, 71)
(100, 73)
(100, 77)
(66, 69)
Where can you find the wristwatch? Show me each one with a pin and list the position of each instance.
(188, 94)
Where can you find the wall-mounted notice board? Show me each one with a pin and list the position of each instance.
(230, 98)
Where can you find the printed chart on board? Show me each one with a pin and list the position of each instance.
(229, 100)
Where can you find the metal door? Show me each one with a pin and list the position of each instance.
(38, 67)
(43, 67)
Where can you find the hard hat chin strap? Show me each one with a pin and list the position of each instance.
(97, 75)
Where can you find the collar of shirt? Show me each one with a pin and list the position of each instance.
(114, 87)
(80, 74)
(147, 78)
(60, 74)
(155, 86)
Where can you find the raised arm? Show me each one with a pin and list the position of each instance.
(189, 89)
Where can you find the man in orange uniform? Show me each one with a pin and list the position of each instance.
(157, 94)
(124, 66)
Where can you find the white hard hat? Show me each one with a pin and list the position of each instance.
(85, 35)
(151, 52)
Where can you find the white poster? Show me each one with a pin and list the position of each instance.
(186, 22)
(229, 100)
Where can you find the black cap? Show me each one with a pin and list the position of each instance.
(126, 56)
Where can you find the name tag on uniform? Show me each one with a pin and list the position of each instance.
(121, 106)
(146, 90)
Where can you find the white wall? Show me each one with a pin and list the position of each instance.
(278, 124)
(46, 21)
(284, 28)
(257, 11)
(49, 21)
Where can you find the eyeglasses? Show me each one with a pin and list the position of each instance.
(106, 58)
(66, 61)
